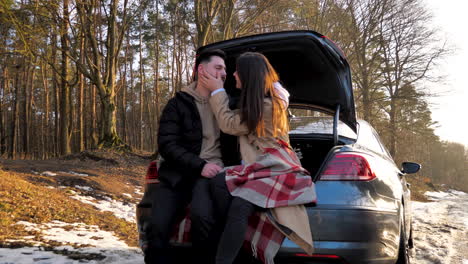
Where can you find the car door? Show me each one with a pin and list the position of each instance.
(406, 192)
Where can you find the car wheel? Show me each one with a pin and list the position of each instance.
(403, 250)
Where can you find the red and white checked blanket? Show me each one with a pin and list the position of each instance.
(276, 179)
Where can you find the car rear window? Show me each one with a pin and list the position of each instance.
(310, 121)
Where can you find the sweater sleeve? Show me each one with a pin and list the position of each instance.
(170, 137)
(229, 121)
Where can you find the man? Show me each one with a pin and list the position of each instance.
(188, 141)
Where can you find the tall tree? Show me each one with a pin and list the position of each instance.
(101, 67)
(409, 51)
(205, 13)
(65, 91)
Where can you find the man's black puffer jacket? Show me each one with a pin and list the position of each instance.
(179, 141)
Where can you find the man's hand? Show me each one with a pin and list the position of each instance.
(209, 81)
(210, 170)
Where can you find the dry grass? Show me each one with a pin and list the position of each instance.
(420, 185)
(24, 196)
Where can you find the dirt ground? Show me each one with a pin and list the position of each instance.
(38, 191)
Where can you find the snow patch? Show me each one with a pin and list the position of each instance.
(119, 209)
(105, 245)
(458, 192)
(126, 194)
(436, 195)
(84, 188)
(75, 233)
(78, 174)
(48, 173)
(37, 255)
(32, 255)
(138, 191)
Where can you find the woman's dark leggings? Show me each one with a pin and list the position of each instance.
(236, 211)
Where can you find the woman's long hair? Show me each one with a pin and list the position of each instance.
(257, 78)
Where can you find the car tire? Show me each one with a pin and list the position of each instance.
(403, 250)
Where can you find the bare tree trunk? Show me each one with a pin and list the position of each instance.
(24, 112)
(15, 117)
(132, 140)
(30, 113)
(142, 86)
(45, 129)
(123, 98)
(81, 81)
(205, 13)
(173, 87)
(64, 87)
(156, 87)
(97, 62)
(156, 82)
(94, 135)
(3, 121)
(55, 94)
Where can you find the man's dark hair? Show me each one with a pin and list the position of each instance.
(205, 56)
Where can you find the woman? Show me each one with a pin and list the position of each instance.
(270, 176)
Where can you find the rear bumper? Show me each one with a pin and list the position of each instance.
(334, 252)
(341, 235)
(352, 236)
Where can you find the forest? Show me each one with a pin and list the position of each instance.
(87, 74)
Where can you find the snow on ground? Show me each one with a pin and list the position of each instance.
(48, 173)
(138, 191)
(100, 246)
(440, 228)
(75, 233)
(84, 188)
(78, 174)
(121, 210)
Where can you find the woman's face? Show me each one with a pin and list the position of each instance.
(238, 81)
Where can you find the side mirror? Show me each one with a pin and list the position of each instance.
(410, 167)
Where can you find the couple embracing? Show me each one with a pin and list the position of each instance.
(258, 201)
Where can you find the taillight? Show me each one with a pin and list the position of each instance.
(152, 173)
(317, 256)
(348, 167)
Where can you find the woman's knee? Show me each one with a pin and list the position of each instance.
(241, 208)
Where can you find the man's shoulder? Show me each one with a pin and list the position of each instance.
(183, 96)
(181, 101)
(179, 96)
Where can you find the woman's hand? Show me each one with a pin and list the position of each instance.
(209, 81)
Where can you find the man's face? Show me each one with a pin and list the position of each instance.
(215, 67)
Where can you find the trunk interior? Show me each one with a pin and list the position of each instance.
(312, 150)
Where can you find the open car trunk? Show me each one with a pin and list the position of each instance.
(311, 135)
(311, 67)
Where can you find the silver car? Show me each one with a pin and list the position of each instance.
(363, 211)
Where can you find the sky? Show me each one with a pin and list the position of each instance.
(450, 108)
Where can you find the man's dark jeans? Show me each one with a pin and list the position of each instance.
(168, 206)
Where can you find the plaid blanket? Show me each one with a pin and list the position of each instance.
(276, 179)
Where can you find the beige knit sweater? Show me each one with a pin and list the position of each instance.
(210, 150)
